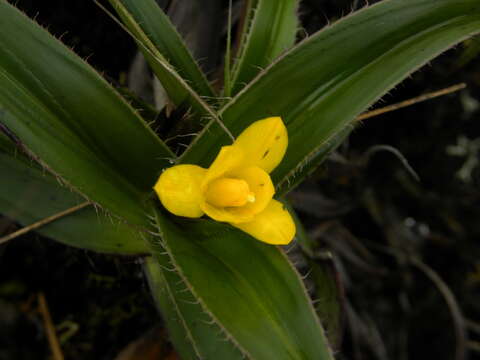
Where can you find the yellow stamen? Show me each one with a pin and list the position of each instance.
(229, 192)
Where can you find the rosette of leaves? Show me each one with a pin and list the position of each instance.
(223, 294)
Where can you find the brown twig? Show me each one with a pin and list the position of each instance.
(412, 101)
(51, 334)
(43, 222)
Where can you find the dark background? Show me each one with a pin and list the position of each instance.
(371, 215)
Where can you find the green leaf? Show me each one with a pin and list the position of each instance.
(193, 332)
(244, 26)
(317, 158)
(177, 88)
(272, 30)
(69, 117)
(327, 80)
(153, 27)
(167, 305)
(228, 53)
(248, 287)
(179, 91)
(28, 195)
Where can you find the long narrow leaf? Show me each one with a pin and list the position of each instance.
(179, 91)
(179, 333)
(247, 287)
(28, 194)
(194, 333)
(316, 158)
(164, 38)
(326, 81)
(68, 116)
(272, 31)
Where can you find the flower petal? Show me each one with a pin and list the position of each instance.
(274, 225)
(224, 214)
(260, 184)
(179, 190)
(228, 158)
(264, 143)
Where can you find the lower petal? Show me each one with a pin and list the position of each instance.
(274, 225)
(224, 214)
(179, 190)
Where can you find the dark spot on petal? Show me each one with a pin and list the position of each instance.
(266, 153)
(277, 137)
(262, 184)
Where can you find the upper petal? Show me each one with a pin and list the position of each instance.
(264, 143)
(179, 190)
(228, 158)
(274, 225)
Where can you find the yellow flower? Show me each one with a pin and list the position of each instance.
(236, 188)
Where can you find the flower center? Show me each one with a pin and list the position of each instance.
(227, 192)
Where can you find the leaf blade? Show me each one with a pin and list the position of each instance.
(165, 38)
(179, 91)
(28, 195)
(273, 27)
(194, 333)
(85, 123)
(318, 99)
(227, 269)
